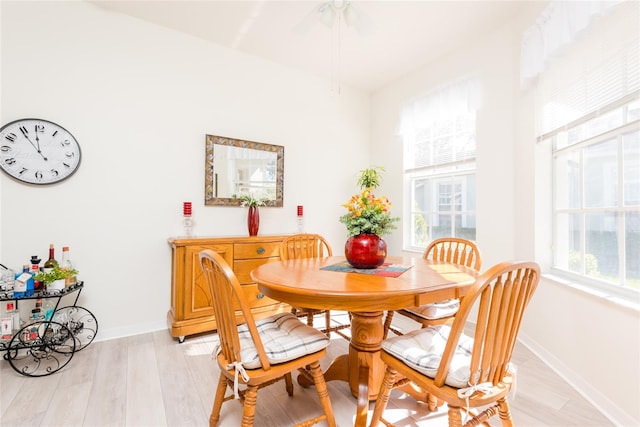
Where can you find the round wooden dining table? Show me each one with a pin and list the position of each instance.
(314, 283)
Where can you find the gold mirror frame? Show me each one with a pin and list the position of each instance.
(211, 182)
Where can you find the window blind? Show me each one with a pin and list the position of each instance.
(591, 73)
(435, 126)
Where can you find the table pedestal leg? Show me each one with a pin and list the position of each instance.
(362, 368)
(364, 353)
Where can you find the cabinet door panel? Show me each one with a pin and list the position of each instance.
(198, 297)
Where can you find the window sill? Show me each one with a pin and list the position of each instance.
(619, 300)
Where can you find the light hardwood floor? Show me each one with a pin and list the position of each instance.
(151, 380)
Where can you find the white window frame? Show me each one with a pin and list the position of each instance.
(560, 252)
(436, 173)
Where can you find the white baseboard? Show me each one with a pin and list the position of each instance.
(608, 408)
(127, 331)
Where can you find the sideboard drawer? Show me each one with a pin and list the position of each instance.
(243, 268)
(255, 297)
(256, 250)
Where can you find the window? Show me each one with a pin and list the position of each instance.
(596, 166)
(439, 133)
(452, 212)
(588, 109)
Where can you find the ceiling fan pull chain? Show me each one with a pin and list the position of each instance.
(336, 49)
(339, 53)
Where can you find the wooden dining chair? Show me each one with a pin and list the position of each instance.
(463, 371)
(448, 249)
(255, 354)
(307, 245)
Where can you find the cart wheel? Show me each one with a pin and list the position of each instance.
(82, 323)
(41, 348)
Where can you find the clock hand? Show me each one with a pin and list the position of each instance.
(38, 141)
(26, 135)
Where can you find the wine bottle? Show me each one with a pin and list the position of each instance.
(51, 262)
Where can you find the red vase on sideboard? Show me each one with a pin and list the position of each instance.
(253, 220)
(365, 250)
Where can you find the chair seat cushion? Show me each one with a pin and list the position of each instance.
(284, 338)
(436, 310)
(422, 350)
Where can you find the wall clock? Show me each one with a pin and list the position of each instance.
(38, 151)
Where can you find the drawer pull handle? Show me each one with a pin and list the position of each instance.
(260, 250)
(260, 296)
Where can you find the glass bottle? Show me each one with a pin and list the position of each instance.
(20, 284)
(31, 332)
(35, 269)
(7, 319)
(31, 283)
(66, 264)
(51, 262)
(12, 312)
(48, 307)
(7, 277)
(36, 315)
(6, 328)
(17, 322)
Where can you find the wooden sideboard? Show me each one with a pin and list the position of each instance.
(191, 311)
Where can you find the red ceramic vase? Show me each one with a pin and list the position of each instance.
(365, 250)
(253, 220)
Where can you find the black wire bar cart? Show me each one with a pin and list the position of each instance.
(44, 346)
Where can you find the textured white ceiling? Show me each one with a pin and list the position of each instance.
(401, 36)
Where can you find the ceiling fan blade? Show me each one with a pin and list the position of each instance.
(327, 13)
(312, 18)
(356, 18)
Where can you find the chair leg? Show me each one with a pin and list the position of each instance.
(310, 319)
(383, 396)
(432, 402)
(505, 412)
(387, 323)
(249, 407)
(217, 401)
(323, 392)
(288, 384)
(455, 416)
(327, 321)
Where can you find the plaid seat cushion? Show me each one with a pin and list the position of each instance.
(437, 310)
(422, 350)
(284, 338)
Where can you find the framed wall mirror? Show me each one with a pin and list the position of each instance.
(234, 167)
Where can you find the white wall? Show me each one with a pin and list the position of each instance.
(594, 343)
(140, 98)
